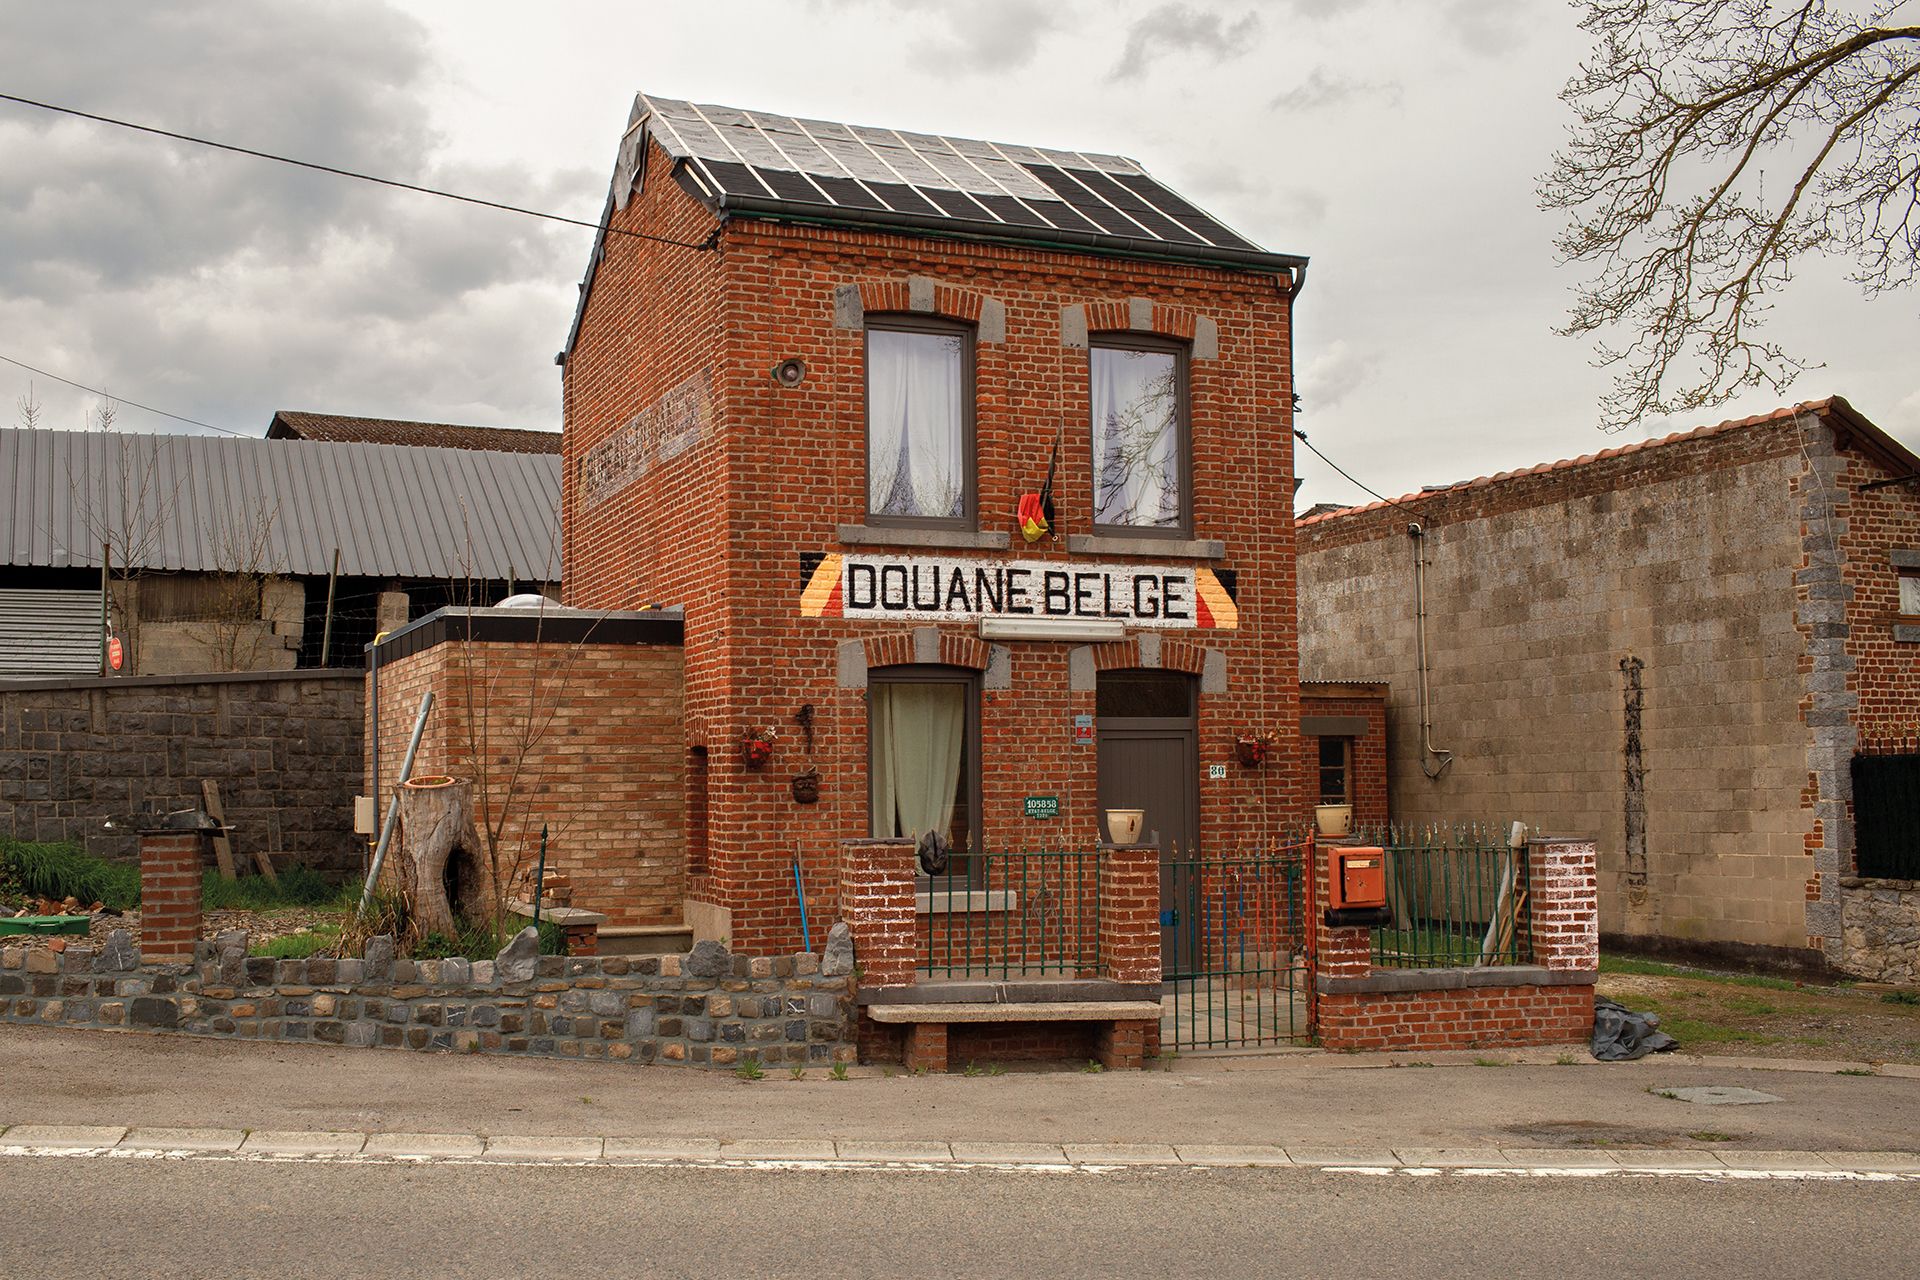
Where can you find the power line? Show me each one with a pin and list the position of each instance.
(21, 364)
(708, 243)
(1301, 436)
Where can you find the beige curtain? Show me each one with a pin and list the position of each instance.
(918, 736)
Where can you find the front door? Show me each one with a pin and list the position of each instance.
(1148, 760)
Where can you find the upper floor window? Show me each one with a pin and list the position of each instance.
(919, 422)
(1140, 452)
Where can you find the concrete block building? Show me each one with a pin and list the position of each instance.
(815, 370)
(1703, 650)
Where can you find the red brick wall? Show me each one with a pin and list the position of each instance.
(1474, 1018)
(594, 732)
(721, 527)
(1887, 672)
(1367, 765)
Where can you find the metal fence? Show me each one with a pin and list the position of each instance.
(1011, 915)
(1457, 896)
(1235, 933)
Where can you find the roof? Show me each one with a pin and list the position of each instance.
(1849, 426)
(291, 425)
(200, 503)
(758, 162)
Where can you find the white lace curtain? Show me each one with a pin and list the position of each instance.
(918, 736)
(916, 446)
(1136, 438)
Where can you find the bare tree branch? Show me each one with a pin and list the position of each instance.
(1682, 109)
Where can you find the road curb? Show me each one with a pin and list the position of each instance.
(354, 1146)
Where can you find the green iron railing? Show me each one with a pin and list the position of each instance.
(1457, 897)
(1010, 915)
(1234, 938)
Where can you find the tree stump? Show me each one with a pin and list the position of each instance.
(443, 863)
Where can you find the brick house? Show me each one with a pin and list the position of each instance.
(813, 371)
(1704, 650)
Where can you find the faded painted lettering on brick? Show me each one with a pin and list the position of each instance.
(939, 588)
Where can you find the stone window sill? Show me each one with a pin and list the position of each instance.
(1097, 544)
(1907, 632)
(966, 901)
(861, 535)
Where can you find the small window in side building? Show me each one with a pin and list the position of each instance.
(1910, 595)
(1138, 393)
(919, 423)
(1336, 759)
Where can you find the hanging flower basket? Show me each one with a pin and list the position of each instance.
(756, 748)
(1251, 750)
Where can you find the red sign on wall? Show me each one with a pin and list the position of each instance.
(116, 654)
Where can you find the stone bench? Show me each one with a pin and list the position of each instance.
(1128, 1025)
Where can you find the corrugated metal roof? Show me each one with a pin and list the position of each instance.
(199, 503)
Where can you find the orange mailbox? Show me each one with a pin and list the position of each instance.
(1357, 885)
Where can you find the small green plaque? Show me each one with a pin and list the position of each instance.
(1043, 806)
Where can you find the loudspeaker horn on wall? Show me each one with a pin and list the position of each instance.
(790, 373)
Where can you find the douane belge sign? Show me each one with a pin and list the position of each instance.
(944, 588)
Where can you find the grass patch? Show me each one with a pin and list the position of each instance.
(1491, 1062)
(298, 887)
(1711, 1135)
(1853, 1071)
(61, 870)
(750, 1069)
(1900, 997)
(298, 946)
(1660, 969)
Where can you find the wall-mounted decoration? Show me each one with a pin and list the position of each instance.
(805, 718)
(1250, 749)
(806, 787)
(1083, 731)
(756, 747)
(1216, 773)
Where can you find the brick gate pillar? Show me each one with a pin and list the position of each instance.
(170, 862)
(876, 901)
(1563, 890)
(1129, 910)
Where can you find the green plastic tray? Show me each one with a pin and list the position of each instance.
(46, 924)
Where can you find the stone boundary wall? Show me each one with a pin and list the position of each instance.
(705, 1009)
(284, 747)
(1880, 927)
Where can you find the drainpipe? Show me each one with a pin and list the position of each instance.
(1428, 752)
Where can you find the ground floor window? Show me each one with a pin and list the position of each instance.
(1886, 815)
(1336, 770)
(924, 768)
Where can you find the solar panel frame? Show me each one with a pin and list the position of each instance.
(777, 159)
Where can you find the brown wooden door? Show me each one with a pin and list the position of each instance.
(1150, 762)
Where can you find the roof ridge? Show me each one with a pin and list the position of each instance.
(1825, 406)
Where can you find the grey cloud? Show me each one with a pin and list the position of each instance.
(1323, 88)
(1331, 376)
(1181, 28)
(221, 286)
(990, 35)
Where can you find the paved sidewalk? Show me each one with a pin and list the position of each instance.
(1381, 1105)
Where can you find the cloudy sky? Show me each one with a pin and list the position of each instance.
(1396, 142)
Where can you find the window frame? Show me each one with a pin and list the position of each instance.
(1182, 353)
(1900, 577)
(894, 322)
(1321, 768)
(971, 764)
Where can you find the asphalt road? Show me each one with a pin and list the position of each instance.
(91, 1217)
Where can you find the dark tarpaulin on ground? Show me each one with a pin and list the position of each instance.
(1620, 1034)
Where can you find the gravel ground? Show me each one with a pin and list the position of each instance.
(261, 926)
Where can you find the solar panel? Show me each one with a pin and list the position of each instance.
(1036, 192)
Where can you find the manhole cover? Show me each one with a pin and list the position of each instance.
(1718, 1095)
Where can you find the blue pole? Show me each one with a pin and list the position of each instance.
(800, 892)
